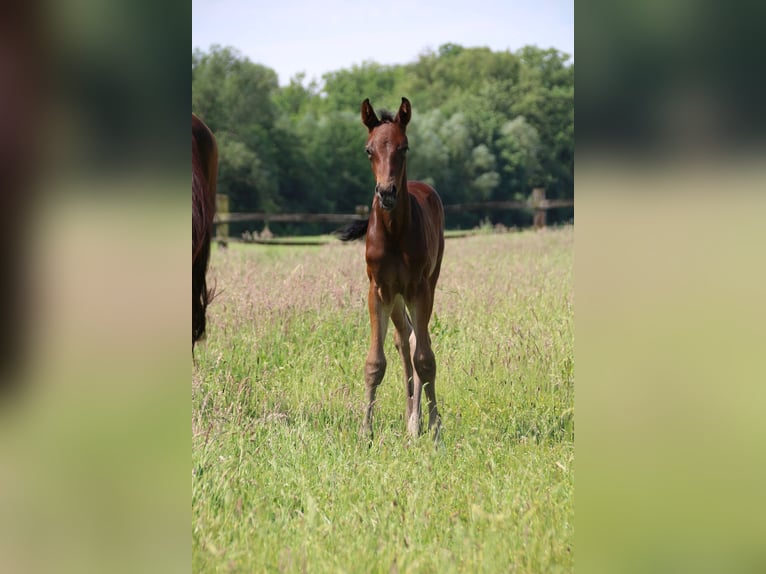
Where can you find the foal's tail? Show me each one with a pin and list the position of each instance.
(355, 230)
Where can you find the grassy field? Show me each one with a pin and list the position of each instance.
(282, 483)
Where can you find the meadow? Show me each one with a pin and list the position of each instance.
(281, 481)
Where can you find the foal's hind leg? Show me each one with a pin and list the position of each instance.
(402, 342)
(424, 364)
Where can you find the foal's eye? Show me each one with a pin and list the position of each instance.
(368, 151)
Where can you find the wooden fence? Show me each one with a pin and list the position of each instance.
(536, 202)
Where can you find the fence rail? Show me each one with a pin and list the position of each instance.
(536, 202)
(540, 205)
(289, 217)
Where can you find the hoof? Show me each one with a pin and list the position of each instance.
(413, 425)
(437, 432)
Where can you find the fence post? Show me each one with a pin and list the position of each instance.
(222, 206)
(538, 198)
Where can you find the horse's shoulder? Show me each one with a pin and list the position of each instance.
(420, 188)
(424, 193)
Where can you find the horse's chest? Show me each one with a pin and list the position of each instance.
(395, 275)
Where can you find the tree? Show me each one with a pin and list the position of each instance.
(234, 97)
(344, 90)
(487, 125)
(335, 151)
(545, 97)
(519, 148)
(295, 99)
(485, 178)
(428, 158)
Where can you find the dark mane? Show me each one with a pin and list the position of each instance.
(387, 117)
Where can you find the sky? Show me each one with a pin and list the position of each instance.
(320, 36)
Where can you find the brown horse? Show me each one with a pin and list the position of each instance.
(25, 58)
(204, 173)
(405, 244)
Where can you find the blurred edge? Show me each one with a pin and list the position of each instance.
(22, 77)
(670, 312)
(94, 435)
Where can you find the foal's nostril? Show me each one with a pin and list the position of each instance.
(385, 190)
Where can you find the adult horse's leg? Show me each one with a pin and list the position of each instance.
(375, 367)
(402, 342)
(424, 364)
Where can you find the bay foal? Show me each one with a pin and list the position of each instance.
(404, 248)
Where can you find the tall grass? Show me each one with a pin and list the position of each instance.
(282, 483)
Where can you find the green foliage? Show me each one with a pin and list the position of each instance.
(486, 126)
(281, 481)
(519, 145)
(342, 89)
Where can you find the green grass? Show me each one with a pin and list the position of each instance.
(282, 483)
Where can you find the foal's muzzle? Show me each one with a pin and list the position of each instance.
(386, 197)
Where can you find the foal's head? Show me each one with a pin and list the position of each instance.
(387, 150)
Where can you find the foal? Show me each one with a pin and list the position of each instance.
(404, 248)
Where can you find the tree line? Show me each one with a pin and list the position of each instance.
(486, 126)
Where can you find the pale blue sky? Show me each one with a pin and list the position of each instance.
(320, 36)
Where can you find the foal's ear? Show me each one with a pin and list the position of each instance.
(405, 113)
(368, 115)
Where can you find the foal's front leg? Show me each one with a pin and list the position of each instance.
(375, 367)
(403, 330)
